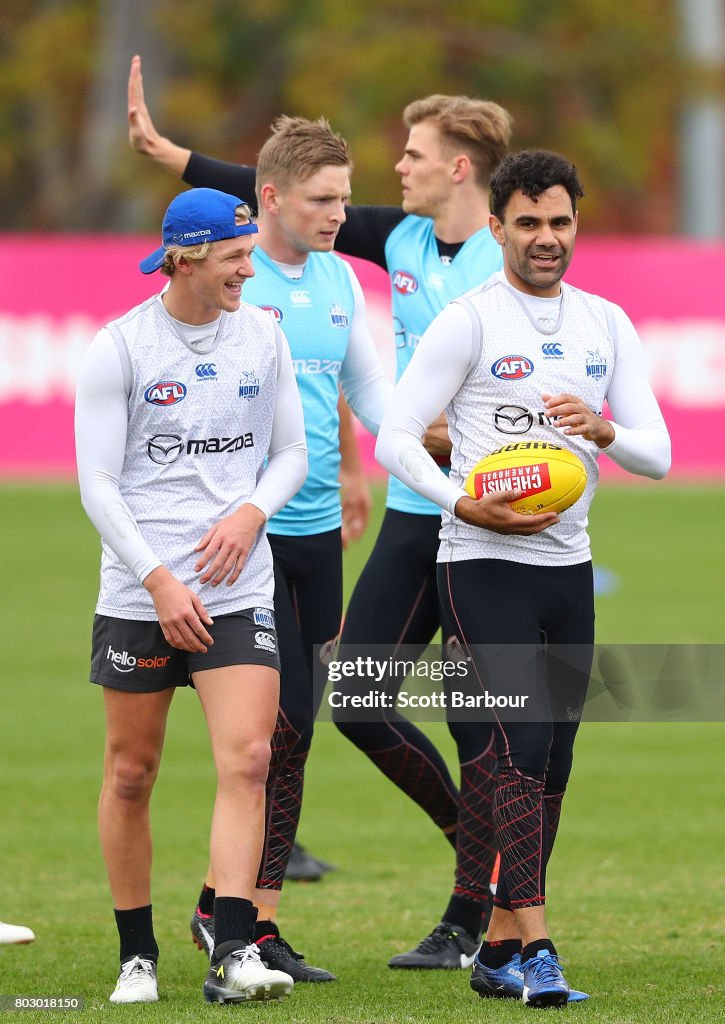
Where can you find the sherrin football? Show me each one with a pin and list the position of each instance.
(551, 478)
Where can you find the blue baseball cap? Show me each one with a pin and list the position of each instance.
(197, 216)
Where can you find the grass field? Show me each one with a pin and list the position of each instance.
(636, 880)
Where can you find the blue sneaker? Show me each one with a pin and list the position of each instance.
(507, 982)
(544, 983)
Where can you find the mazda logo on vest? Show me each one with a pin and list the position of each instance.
(164, 449)
(512, 419)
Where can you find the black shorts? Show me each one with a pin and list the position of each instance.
(133, 655)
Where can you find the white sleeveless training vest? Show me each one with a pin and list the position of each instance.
(500, 403)
(198, 432)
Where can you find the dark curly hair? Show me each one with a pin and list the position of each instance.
(532, 172)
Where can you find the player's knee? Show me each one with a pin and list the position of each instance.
(245, 767)
(131, 778)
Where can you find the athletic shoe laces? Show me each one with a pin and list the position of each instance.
(276, 944)
(248, 954)
(437, 939)
(546, 969)
(136, 970)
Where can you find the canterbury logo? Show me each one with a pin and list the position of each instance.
(206, 370)
(552, 349)
(300, 297)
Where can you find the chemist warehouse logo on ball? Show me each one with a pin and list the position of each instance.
(512, 368)
(404, 282)
(122, 661)
(165, 392)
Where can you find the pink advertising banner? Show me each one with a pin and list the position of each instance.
(57, 291)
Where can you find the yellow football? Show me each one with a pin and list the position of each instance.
(551, 478)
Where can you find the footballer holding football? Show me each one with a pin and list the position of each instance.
(504, 578)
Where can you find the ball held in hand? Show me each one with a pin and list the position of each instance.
(550, 478)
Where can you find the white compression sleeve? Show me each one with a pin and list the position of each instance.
(286, 467)
(641, 442)
(433, 376)
(362, 377)
(101, 418)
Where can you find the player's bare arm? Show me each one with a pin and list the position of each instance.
(354, 488)
(573, 416)
(224, 547)
(494, 512)
(436, 440)
(181, 613)
(356, 503)
(142, 134)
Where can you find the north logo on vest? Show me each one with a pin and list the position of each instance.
(596, 365)
(249, 385)
(339, 317)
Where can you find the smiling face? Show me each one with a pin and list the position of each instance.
(537, 237)
(201, 289)
(425, 170)
(304, 216)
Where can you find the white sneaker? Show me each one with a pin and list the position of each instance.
(11, 934)
(136, 983)
(241, 975)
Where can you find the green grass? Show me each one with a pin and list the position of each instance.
(635, 904)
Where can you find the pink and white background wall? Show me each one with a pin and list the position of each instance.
(56, 291)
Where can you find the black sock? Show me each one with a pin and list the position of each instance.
(496, 954)
(264, 928)
(468, 914)
(206, 900)
(234, 920)
(532, 948)
(136, 932)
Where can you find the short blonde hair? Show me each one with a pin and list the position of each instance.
(189, 252)
(242, 215)
(297, 149)
(480, 128)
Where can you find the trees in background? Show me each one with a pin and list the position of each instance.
(599, 80)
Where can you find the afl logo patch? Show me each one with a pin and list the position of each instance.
(512, 368)
(404, 282)
(165, 392)
(276, 313)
